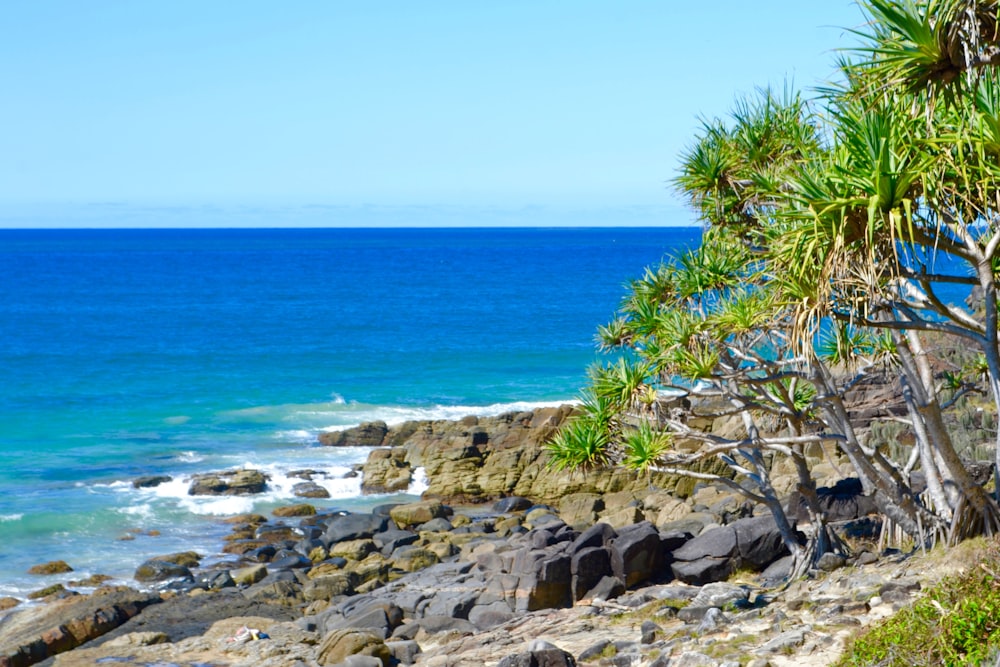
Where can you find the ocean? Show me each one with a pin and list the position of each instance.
(126, 353)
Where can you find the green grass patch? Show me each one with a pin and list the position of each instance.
(957, 622)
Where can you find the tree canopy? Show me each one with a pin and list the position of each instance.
(834, 226)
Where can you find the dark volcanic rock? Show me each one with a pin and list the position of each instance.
(354, 527)
(150, 481)
(637, 554)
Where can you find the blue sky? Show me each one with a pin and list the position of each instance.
(378, 113)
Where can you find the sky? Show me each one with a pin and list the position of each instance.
(392, 112)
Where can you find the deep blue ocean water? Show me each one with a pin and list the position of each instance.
(138, 352)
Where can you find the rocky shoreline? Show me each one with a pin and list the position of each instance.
(503, 562)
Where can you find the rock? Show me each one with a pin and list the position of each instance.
(149, 481)
(330, 586)
(353, 549)
(405, 652)
(229, 483)
(36, 633)
(651, 632)
(784, 642)
(249, 575)
(830, 561)
(758, 541)
(711, 621)
(8, 603)
(542, 657)
(608, 588)
(52, 567)
(414, 514)
(160, 571)
(588, 566)
(185, 558)
(370, 434)
(285, 593)
(354, 527)
(48, 591)
(309, 490)
(386, 471)
(411, 559)
(138, 639)
(302, 509)
(545, 580)
(636, 554)
(721, 595)
(511, 504)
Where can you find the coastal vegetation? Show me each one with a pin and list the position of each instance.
(836, 228)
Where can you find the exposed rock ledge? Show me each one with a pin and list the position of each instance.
(481, 459)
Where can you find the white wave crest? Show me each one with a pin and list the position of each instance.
(418, 482)
(393, 415)
(11, 517)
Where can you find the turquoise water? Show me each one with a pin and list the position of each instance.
(137, 352)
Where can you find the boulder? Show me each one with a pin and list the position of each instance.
(545, 579)
(354, 527)
(302, 509)
(229, 483)
(588, 566)
(386, 471)
(149, 481)
(512, 504)
(342, 643)
(414, 514)
(540, 657)
(370, 434)
(637, 555)
(309, 490)
(158, 571)
(52, 567)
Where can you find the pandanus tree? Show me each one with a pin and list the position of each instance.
(840, 224)
(706, 327)
(905, 200)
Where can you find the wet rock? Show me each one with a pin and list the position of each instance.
(52, 567)
(149, 481)
(229, 483)
(370, 434)
(301, 509)
(309, 490)
(158, 571)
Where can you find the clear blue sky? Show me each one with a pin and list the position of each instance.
(178, 113)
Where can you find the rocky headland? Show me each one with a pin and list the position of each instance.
(504, 561)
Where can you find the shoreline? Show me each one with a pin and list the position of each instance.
(320, 568)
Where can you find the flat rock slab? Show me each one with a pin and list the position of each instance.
(33, 634)
(182, 617)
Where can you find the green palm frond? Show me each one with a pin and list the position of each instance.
(645, 446)
(579, 444)
(620, 382)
